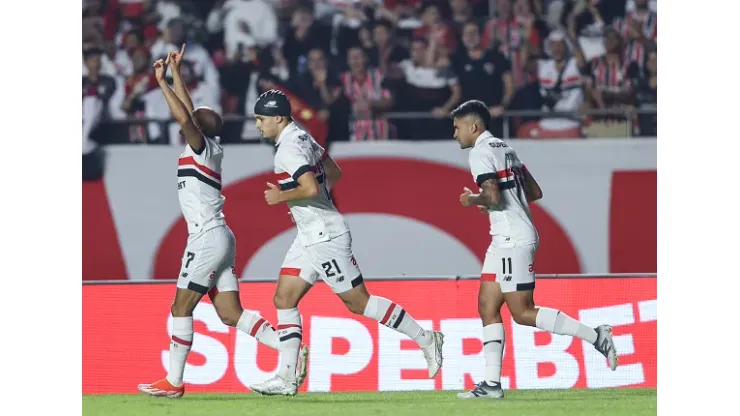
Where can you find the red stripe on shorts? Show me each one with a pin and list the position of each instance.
(213, 292)
(286, 326)
(488, 277)
(290, 271)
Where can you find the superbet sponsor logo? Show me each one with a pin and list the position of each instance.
(392, 357)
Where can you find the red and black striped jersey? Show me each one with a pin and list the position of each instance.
(199, 187)
(492, 158)
(317, 219)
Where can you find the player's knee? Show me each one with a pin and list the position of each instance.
(487, 310)
(356, 306)
(523, 316)
(180, 309)
(518, 317)
(230, 319)
(284, 301)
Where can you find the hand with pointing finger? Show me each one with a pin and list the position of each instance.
(174, 58)
(272, 194)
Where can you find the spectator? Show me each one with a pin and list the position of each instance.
(485, 75)
(516, 36)
(462, 13)
(136, 94)
(103, 15)
(166, 10)
(92, 37)
(428, 88)
(646, 95)
(246, 23)
(368, 97)
(131, 41)
(304, 35)
(434, 28)
(247, 77)
(173, 38)
(321, 88)
(149, 17)
(640, 29)
(561, 85)
(609, 83)
(386, 52)
(97, 89)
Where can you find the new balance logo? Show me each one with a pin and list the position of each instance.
(507, 278)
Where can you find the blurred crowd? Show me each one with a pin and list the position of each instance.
(363, 65)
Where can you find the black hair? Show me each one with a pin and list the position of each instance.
(92, 51)
(473, 108)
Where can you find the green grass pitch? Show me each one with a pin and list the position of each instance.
(612, 402)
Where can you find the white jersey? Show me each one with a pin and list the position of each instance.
(317, 218)
(492, 158)
(564, 87)
(199, 187)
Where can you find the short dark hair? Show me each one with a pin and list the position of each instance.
(473, 108)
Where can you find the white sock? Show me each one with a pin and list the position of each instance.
(493, 351)
(259, 328)
(182, 340)
(290, 334)
(557, 322)
(395, 317)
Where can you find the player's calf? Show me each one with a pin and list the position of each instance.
(521, 305)
(290, 290)
(180, 344)
(394, 316)
(229, 309)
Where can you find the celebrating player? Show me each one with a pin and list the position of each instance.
(508, 270)
(208, 261)
(323, 247)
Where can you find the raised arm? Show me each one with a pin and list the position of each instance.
(179, 111)
(174, 60)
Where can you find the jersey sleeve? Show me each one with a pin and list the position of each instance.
(293, 161)
(481, 166)
(211, 149)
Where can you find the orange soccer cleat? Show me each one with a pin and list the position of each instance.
(162, 388)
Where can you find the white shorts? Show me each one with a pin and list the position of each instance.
(512, 266)
(208, 262)
(331, 260)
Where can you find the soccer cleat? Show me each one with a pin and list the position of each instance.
(483, 390)
(162, 388)
(276, 386)
(433, 354)
(605, 345)
(300, 368)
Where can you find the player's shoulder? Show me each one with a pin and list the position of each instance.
(214, 143)
(490, 143)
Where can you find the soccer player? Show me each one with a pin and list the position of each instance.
(506, 188)
(208, 261)
(323, 247)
